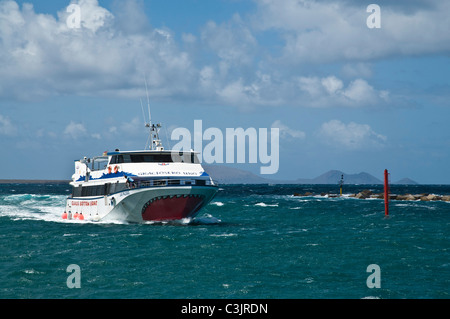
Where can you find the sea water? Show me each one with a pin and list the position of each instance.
(251, 241)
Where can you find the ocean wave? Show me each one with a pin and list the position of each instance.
(217, 203)
(32, 197)
(223, 235)
(206, 220)
(27, 213)
(32, 206)
(261, 204)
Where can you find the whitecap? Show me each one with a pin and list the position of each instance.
(206, 220)
(223, 235)
(217, 203)
(261, 204)
(32, 271)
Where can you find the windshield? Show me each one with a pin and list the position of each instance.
(155, 158)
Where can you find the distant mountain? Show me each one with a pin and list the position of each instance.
(228, 175)
(406, 181)
(334, 176)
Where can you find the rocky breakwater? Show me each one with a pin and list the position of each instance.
(369, 194)
(411, 197)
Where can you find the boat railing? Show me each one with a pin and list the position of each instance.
(111, 188)
(169, 182)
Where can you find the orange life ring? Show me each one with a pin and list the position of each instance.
(116, 169)
(109, 169)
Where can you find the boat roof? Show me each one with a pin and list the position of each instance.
(117, 152)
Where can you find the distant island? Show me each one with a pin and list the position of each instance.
(228, 175)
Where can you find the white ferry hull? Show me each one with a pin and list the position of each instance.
(143, 204)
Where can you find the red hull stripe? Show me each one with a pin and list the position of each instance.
(172, 207)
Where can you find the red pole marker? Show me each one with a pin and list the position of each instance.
(386, 192)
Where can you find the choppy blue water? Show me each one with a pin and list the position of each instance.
(252, 241)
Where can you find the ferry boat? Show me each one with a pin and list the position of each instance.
(139, 186)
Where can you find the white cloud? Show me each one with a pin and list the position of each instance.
(96, 136)
(189, 38)
(258, 91)
(286, 132)
(332, 84)
(330, 91)
(41, 56)
(227, 63)
(233, 42)
(92, 16)
(360, 91)
(329, 31)
(78, 131)
(351, 135)
(6, 127)
(75, 130)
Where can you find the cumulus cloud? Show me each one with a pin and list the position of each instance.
(78, 131)
(41, 56)
(286, 132)
(328, 31)
(92, 16)
(75, 130)
(6, 127)
(330, 91)
(351, 135)
(233, 42)
(112, 52)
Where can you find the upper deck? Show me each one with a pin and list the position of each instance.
(152, 156)
(147, 163)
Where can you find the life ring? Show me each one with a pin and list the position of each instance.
(109, 169)
(116, 169)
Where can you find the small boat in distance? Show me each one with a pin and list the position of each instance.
(138, 186)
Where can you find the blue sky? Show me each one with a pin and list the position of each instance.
(343, 95)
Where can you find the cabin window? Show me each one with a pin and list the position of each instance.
(154, 158)
(200, 182)
(97, 190)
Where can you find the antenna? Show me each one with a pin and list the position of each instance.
(143, 115)
(148, 102)
(153, 141)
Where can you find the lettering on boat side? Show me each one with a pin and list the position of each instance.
(84, 203)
